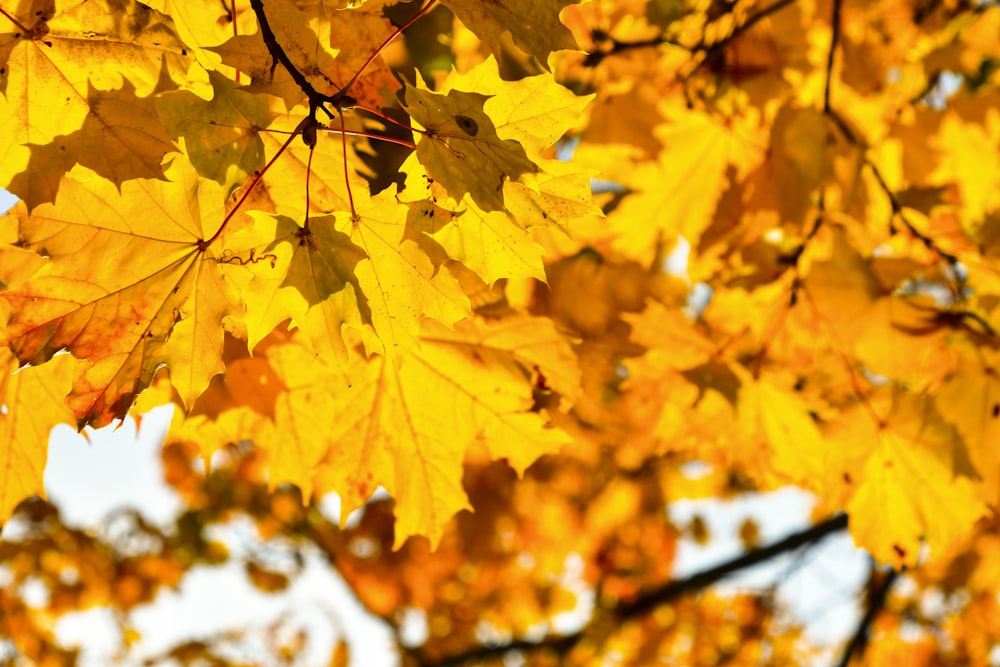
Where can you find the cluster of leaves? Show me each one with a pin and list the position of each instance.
(356, 248)
(166, 206)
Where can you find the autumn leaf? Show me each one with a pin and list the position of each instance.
(69, 49)
(535, 111)
(397, 278)
(490, 243)
(131, 285)
(534, 26)
(697, 149)
(204, 23)
(783, 421)
(389, 428)
(121, 139)
(460, 148)
(907, 468)
(221, 135)
(305, 274)
(33, 403)
(845, 285)
(969, 399)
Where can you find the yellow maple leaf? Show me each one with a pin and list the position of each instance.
(16, 264)
(533, 343)
(408, 427)
(132, 284)
(970, 399)
(221, 135)
(460, 148)
(533, 24)
(491, 243)
(69, 48)
(398, 280)
(121, 139)
(498, 244)
(535, 111)
(204, 23)
(302, 274)
(33, 402)
(907, 486)
(781, 418)
(679, 193)
(559, 197)
(844, 287)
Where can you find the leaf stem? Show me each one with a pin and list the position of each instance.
(309, 164)
(370, 135)
(347, 180)
(257, 179)
(14, 21)
(388, 40)
(388, 118)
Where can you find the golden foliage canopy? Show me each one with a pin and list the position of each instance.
(363, 236)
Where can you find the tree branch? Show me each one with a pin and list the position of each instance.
(594, 58)
(652, 599)
(316, 98)
(749, 23)
(834, 38)
(648, 601)
(849, 134)
(878, 592)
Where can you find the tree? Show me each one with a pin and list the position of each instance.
(342, 231)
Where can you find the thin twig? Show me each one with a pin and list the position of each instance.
(897, 210)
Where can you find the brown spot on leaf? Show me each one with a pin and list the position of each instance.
(467, 125)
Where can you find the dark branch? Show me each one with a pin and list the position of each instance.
(595, 57)
(855, 140)
(750, 22)
(650, 600)
(617, 47)
(834, 38)
(317, 100)
(897, 209)
(878, 592)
